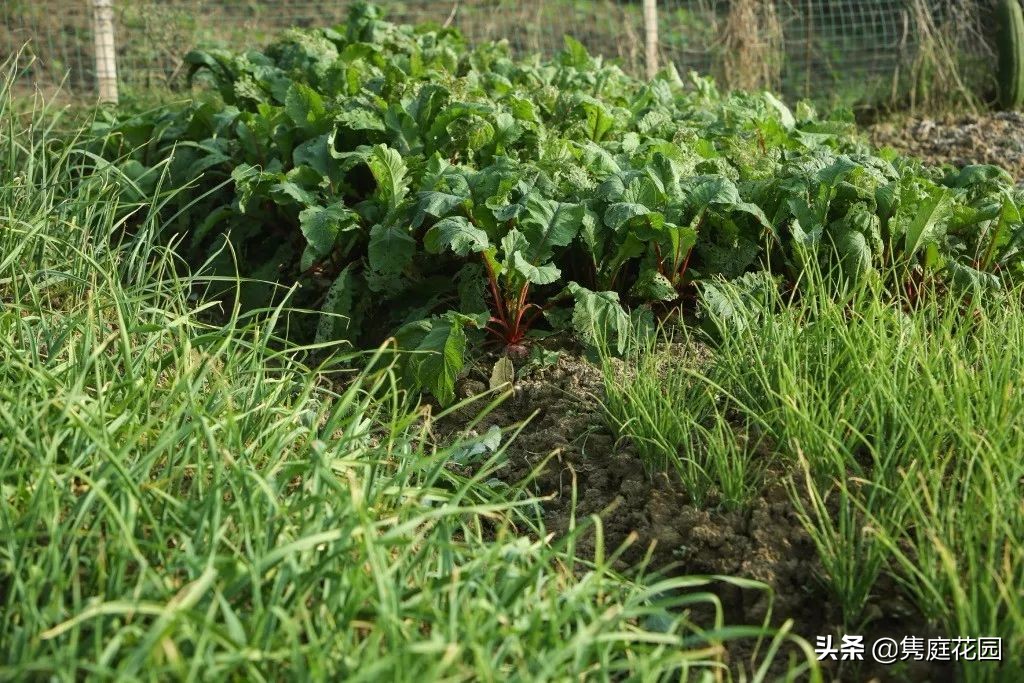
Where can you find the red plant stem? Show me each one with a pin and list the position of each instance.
(686, 263)
(492, 279)
(497, 333)
(519, 318)
(514, 329)
(657, 255)
(536, 312)
(508, 314)
(523, 293)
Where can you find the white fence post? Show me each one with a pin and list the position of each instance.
(106, 50)
(651, 37)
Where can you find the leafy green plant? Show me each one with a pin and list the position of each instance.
(405, 181)
(189, 499)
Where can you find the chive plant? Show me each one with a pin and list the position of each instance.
(900, 423)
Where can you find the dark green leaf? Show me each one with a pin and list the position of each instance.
(321, 225)
(547, 224)
(455, 233)
(390, 249)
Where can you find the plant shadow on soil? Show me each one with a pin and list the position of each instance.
(567, 443)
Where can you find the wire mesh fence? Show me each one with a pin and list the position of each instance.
(845, 51)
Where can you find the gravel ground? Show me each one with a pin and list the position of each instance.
(996, 139)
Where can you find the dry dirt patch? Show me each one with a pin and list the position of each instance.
(765, 542)
(996, 138)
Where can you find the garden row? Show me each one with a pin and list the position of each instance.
(418, 188)
(183, 500)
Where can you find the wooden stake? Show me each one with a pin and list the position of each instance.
(651, 37)
(106, 49)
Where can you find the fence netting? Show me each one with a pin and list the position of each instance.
(844, 51)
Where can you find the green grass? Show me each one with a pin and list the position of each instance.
(903, 430)
(657, 400)
(184, 495)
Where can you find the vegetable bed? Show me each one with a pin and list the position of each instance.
(447, 196)
(732, 324)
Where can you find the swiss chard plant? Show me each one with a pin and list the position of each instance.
(449, 196)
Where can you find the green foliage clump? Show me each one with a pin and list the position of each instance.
(181, 500)
(421, 189)
(897, 430)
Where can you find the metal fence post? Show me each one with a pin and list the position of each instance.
(651, 37)
(106, 50)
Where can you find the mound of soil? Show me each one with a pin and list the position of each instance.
(996, 139)
(567, 444)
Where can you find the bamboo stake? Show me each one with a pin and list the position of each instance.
(106, 50)
(651, 37)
